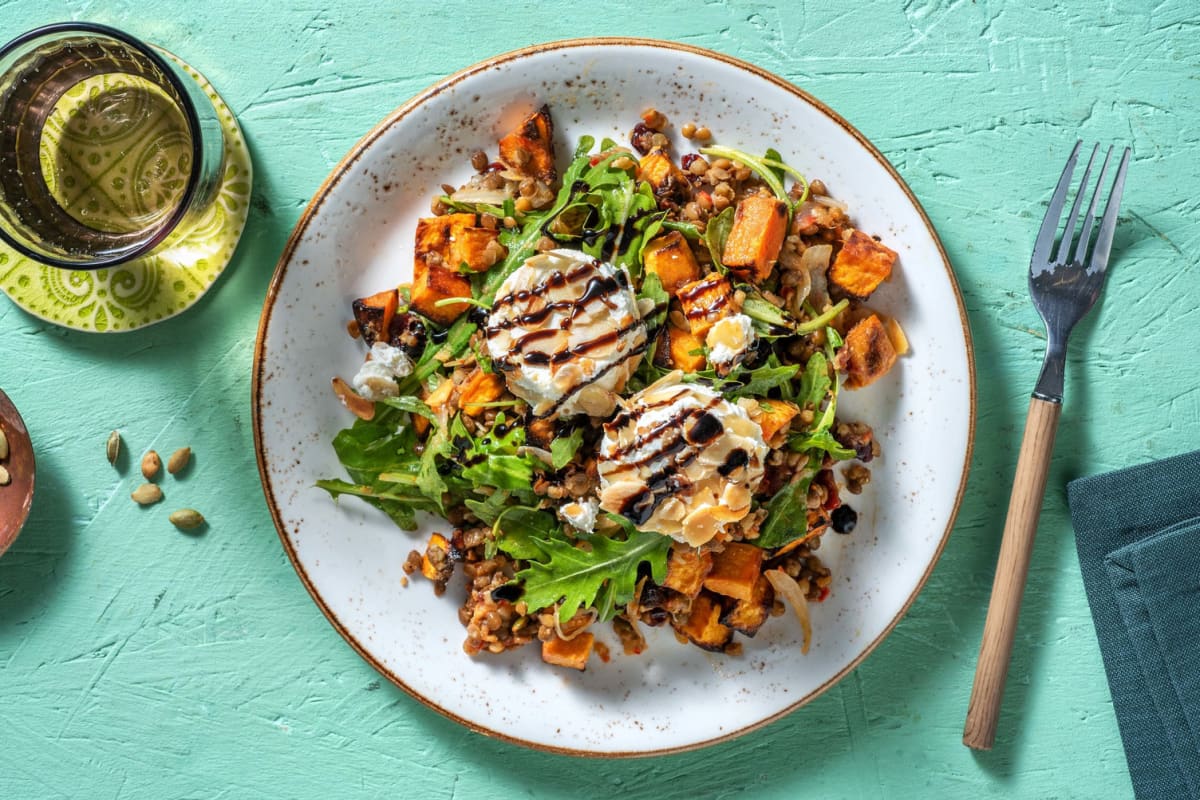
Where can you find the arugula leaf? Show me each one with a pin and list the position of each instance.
(815, 383)
(489, 509)
(787, 510)
(822, 441)
(493, 458)
(819, 390)
(760, 309)
(564, 448)
(765, 378)
(429, 480)
(413, 405)
(518, 529)
(577, 577)
(399, 506)
(774, 162)
(822, 320)
(652, 288)
(716, 234)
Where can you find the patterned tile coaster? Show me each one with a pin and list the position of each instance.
(144, 177)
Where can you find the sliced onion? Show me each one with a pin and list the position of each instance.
(895, 335)
(785, 586)
(816, 257)
(566, 637)
(829, 202)
(815, 261)
(477, 194)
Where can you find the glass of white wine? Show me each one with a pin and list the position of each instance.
(108, 147)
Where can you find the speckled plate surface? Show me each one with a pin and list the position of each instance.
(159, 286)
(356, 236)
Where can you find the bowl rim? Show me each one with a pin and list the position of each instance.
(346, 165)
(20, 447)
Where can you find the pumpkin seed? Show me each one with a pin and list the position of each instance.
(179, 459)
(186, 518)
(113, 448)
(151, 464)
(5, 478)
(147, 494)
(3, 445)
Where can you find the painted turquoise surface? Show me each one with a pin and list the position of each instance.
(136, 662)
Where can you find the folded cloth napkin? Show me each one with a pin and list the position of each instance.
(1138, 535)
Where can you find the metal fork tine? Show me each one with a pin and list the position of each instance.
(1045, 237)
(1064, 244)
(1108, 225)
(1090, 219)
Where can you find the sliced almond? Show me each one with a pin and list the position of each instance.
(358, 405)
(5, 478)
(3, 445)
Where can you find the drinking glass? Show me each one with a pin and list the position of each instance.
(107, 147)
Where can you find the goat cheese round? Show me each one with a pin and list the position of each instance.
(728, 341)
(566, 333)
(680, 460)
(376, 378)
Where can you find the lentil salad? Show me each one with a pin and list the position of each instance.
(619, 386)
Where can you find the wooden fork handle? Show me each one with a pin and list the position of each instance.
(1024, 507)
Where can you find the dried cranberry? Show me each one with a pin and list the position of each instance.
(495, 166)
(640, 138)
(687, 161)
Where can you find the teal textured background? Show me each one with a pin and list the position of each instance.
(139, 662)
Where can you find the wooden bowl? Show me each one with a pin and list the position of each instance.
(17, 496)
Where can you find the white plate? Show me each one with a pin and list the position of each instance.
(356, 236)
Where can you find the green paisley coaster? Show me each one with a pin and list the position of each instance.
(112, 152)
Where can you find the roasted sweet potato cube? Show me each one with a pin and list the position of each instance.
(684, 350)
(471, 247)
(735, 571)
(747, 616)
(759, 227)
(774, 416)
(861, 265)
(666, 179)
(670, 257)
(480, 387)
(703, 626)
(433, 283)
(436, 400)
(530, 148)
(573, 652)
(687, 568)
(434, 234)
(870, 353)
(374, 315)
(705, 301)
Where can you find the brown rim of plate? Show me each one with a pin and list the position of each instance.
(344, 167)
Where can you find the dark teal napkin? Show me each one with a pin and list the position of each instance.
(1138, 535)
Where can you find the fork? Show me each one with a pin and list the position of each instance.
(1064, 286)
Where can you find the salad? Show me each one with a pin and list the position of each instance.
(618, 385)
